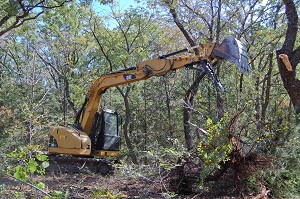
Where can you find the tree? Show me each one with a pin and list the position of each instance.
(129, 40)
(16, 12)
(24, 90)
(198, 24)
(290, 82)
(65, 51)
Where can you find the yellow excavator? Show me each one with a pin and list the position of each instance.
(95, 134)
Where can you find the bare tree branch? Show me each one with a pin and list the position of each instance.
(26, 13)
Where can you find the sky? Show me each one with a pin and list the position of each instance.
(105, 9)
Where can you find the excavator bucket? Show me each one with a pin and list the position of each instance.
(234, 51)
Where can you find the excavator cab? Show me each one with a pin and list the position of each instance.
(105, 132)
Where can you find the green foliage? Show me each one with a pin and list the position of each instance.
(21, 173)
(60, 194)
(103, 193)
(215, 147)
(14, 13)
(165, 157)
(153, 162)
(284, 177)
(28, 162)
(252, 182)
(57, 194)
(40, 185)
(33, 91)
(19, 195)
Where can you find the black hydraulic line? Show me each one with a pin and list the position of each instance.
(126, 69)
(177, 52)
(206, 67)
(150, 70)
(173, 53)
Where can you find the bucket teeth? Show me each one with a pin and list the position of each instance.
(234, 51)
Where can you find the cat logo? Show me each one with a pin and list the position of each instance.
(63, 137)
(129, 76)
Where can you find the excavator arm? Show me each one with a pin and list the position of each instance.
(143, 71)
(88, 136)
(230, 49)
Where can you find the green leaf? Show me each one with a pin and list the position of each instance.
(20, 173)
(18, 195)
(32, 165)
(209, 122)
(41, 157)
(56, 193)
(41, 185)
(33, 183)
(45, 164)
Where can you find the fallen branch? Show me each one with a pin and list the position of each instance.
(27, 183)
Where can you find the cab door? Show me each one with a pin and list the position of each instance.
(105, 131)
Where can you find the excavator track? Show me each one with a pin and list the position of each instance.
(73, 164)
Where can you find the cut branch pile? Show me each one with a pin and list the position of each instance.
(185, 177)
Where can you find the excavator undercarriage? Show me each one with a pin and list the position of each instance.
(74, 164)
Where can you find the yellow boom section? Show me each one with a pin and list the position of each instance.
(144, 70)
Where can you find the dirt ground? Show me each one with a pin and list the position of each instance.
(89, 186)
(81, 186)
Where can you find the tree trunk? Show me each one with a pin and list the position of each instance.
(168, 104)
(188, 101)
(126, 129)
(145, 120)
(191, 92)
(290, 82)
(267, 89)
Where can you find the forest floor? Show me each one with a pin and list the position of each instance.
(83, 186)
(133, 184)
